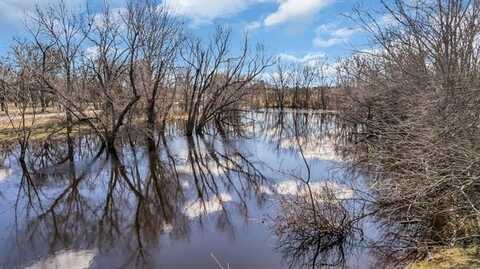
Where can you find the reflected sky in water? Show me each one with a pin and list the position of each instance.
(165, 202)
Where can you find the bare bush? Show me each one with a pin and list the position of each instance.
(414, 105)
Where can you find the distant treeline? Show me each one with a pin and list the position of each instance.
(318, 97)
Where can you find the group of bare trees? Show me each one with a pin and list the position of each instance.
(414, 104)
(125, 66)
(413, 101)
(300, 85)
(114, 67)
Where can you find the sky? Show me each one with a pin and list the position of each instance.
(294, 30)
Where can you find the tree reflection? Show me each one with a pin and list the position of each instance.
(79, 197)
(217, 168)
(316, 233)
(126, 201)
(315, 132)
(315, 227)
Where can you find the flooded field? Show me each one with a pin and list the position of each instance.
(211, 201)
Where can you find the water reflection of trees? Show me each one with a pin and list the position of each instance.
(85, 199)
(318, 232)
(207, 162)
(76, 194)
(315, 227)
(315, 132)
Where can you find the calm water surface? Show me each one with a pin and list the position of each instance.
(168, 202)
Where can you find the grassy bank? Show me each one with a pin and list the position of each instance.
(458, 258)
(50, 130)
(50, 125)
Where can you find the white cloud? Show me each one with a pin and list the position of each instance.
(371, 51)
(252, 26)
(295, 9)
(115, 16)
(331, 70)
(327, 37)
(207, 10)
(91, 52)
(387, 20)
(312, 59)
(307, 58)
(12, 12)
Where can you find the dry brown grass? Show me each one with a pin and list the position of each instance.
(462, 258)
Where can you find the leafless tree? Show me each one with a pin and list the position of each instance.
(61, 30)
(215, 81)
(114, 63)
(21, 91)
(298, 84)
(159, 41)
(279, 82)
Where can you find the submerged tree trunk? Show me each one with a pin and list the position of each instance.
(151, 115)
(189, 128)
(322, 97)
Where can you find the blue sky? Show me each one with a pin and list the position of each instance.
(296, 30)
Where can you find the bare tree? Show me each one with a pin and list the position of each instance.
(21, 90)
(58, 29)
(159, 41)
(215, 82)
(297, 84)
(109, 64)
(5, 77)
(279, 81)
(302, 78)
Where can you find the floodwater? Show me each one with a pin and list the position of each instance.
(168, 202)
